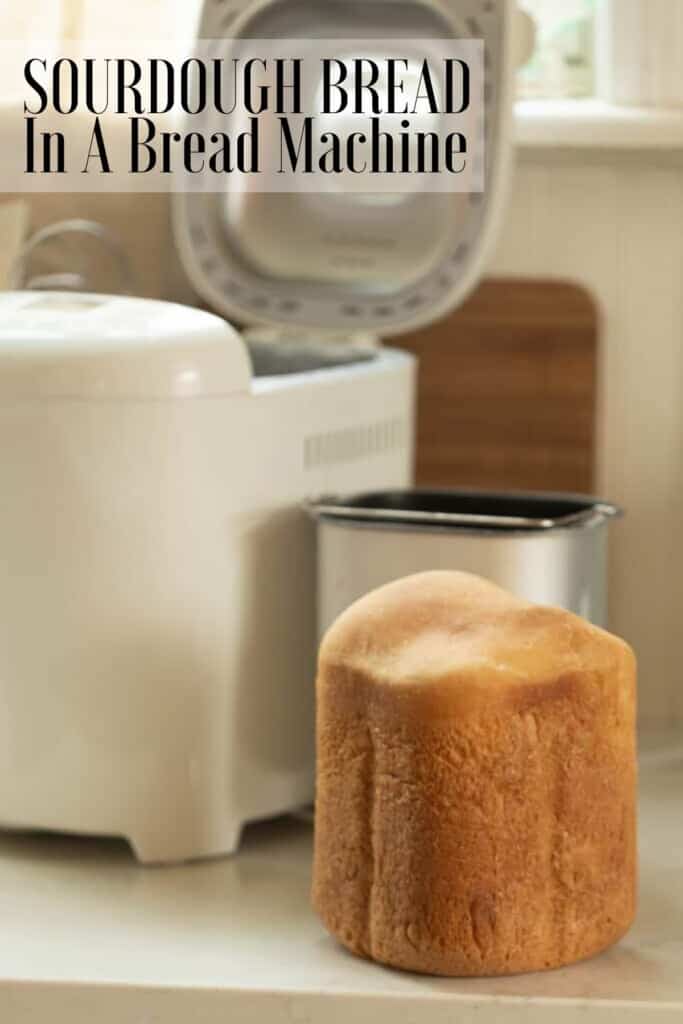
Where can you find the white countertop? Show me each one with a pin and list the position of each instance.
(88, 937)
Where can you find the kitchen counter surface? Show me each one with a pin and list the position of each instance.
(86, 935)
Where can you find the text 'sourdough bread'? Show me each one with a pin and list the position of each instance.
(475, 808)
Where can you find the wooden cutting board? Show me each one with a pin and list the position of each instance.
(507, 389)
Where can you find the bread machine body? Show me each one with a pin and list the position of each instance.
(158, 612)
(157, 601)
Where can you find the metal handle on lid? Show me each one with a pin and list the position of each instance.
(66, 278)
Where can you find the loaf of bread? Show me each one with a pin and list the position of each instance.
(475, 810)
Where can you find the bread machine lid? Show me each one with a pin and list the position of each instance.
(70, 345)
(342, 262)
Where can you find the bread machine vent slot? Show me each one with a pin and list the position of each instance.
(355, 443)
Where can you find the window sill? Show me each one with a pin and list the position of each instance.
(593, 124)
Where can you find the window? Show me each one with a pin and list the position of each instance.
(562, 66)
(97, 19)
(59, 21)
(625, 52)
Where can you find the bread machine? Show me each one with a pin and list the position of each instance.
(157, 602)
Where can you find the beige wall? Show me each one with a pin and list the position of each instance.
(615, 223)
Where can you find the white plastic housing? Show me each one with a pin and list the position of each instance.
(157, 598)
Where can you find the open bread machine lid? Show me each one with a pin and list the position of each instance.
(342, 262)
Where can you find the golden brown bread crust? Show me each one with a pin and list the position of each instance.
(475, 809)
